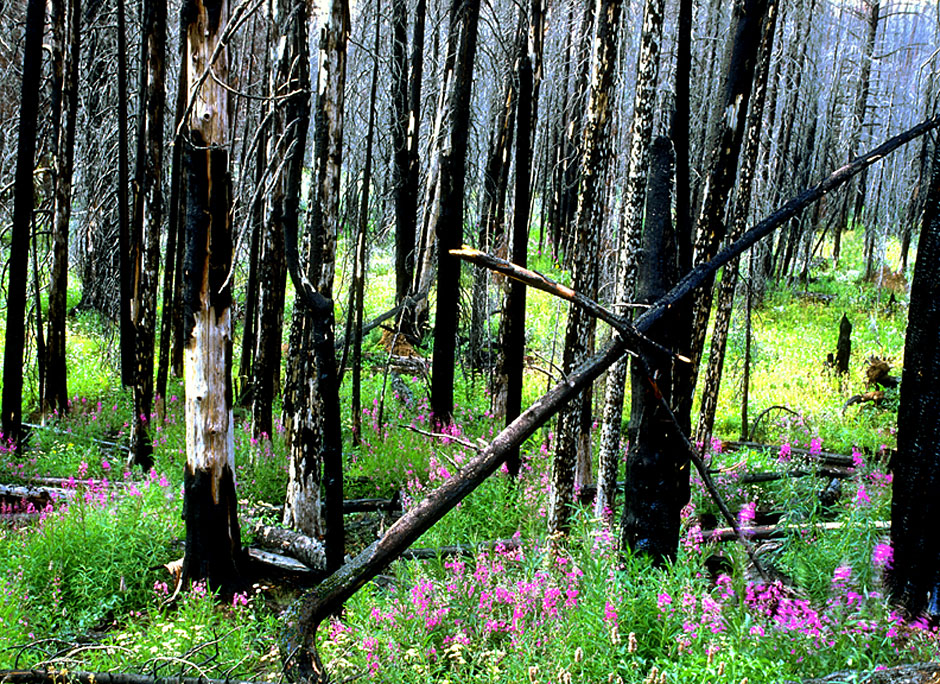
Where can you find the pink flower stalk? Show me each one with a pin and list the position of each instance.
(815, 446)
(861, 496)
(882, 556)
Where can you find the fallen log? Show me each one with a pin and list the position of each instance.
(760, 532)
(459, 549)
(922, 673)
(308, 551)
(40, 497)
(827, 457)
(60, 676)
(770, 476)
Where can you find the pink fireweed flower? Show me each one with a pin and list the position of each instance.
(663, 600)
(882, 556)
(610, 613)
(857, 461)
(785, 452)
(841, 575)
(747, 513)
(861, 496)
(815, 446)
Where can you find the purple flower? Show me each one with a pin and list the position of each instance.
(861, 496)
(815, 446)
(663, 600)
(882, 556)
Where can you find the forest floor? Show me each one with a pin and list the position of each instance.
(82, 585)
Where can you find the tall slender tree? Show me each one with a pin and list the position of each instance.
(448, 224)
(635, 195)
(147, 222)
(312, 400)
(66, 22)
(11, 422)
(213, 538)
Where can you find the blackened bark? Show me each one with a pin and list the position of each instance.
(148, 220)
(404, 223)
(313, 394)
(15, 335)
(464, 19)
(513, 320)
(844, 348)
(914, 577)
(724, 145)
(213, 541)
(174, 245)
(67, 22)
(360, 261)
(128, 357)
(657, 478)
(644, 104)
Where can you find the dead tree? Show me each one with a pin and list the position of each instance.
(15, 335)
(147, 223)
(642, 132)
(66, 54)
(448, 226)
(914, 576)
(210, 507)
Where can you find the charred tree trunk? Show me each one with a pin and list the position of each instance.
(174, 246)
(314, 415)
(724, 146)
(148, 221)
(66, 25)
(128, 345)
(513, 319)
(591, 213)
(914, 578)
(644, 104)
(844, 348)
(213, 539)
(15, 335)
(464, 18)
(657, 480)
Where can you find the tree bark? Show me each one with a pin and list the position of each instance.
(15, 335)
(657, 472)
(66, 25)
(513, 319)
(644, 103)
(148, 222)
(914, 577)
(314, 420)
(464, 19)
(213, 539)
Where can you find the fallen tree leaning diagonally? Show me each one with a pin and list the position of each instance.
(298, 640)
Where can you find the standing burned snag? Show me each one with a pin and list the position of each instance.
(11, 422)
(147, 223)
(213, 538)
(312, 394)
(914, 578)
(643, 106)
(657, 478)
(66, 54)
(570, 447)
(448, 224)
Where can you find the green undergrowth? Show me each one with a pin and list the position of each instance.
(81, 582)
